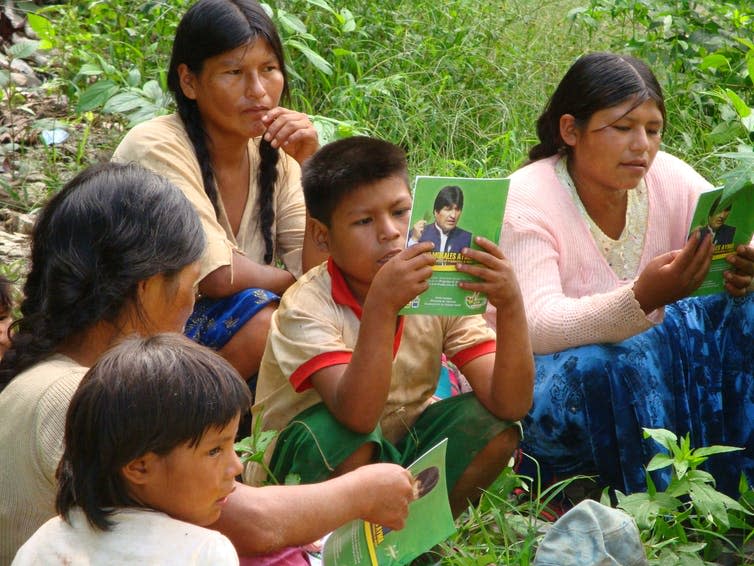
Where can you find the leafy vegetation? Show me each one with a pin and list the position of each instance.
(459, 84)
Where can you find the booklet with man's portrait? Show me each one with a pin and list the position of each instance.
(429, 522)
(726, 216)
(450, 212)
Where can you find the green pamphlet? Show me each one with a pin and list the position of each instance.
(436, 217)
(727, 216)
(429, 522)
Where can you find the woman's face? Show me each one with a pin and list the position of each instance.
(167, 302)
(235, 89)
(616, 147)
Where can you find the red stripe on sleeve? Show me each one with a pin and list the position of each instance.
(300, 378)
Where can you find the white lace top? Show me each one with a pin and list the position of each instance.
(623, 255)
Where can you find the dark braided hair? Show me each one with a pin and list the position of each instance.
(109, 228)
(207, 29)
(596, 81)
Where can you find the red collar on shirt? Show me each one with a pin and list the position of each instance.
(342, 295)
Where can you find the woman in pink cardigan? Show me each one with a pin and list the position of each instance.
(596, 226)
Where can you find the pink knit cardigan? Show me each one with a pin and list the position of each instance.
(572, 296)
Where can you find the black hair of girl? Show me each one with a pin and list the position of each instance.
(109, 228)
(207, 29)
(143, 395)
(596, 81)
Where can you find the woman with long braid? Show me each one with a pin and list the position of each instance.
(223, 149)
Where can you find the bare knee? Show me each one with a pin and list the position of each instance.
(244, 350)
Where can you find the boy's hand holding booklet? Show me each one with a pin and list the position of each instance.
(450, 212)
(727, 216)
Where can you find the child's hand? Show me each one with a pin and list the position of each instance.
(292, 131)
(403, 277)
(387, 490)
(498, 280)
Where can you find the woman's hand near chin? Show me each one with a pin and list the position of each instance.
(674, 275)
(292, 131)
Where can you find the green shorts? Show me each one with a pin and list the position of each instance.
(314, 443)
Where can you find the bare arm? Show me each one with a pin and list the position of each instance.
(242, 274)
(503, 381)
(265, 519)
(356, 393)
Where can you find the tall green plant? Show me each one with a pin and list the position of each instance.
(687, 523)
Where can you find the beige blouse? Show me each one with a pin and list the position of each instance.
(162, 145)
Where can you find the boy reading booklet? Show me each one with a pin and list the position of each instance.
(347, 380)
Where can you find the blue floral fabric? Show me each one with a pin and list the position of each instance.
(215, 321)
(694, 374)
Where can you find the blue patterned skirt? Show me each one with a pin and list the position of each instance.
(694, 374)
(215, 321)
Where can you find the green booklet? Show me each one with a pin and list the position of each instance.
(726, 216)
(450, 212)
(429, 522)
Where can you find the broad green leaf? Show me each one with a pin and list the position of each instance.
(314, 58)
(23, 49)
(96, 95)
(291, 22)
(706, 451)
(681, 467)
(267, 8)
(711, 503)
(659, 461)
(90, 70)
(644, 507)
(742, 109)
(349, 22)
(152, 90)
(662, 436)
(134, 77)
(322, 4)
(124, 102)
(4, 78)
(41, 26)
(714, 61)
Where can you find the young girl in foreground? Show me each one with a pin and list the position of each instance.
(148, 461)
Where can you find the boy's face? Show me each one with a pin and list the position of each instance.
(367, 228)
(192, 483)
(5, 321)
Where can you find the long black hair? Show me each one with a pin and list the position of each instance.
(207, 29)
(596, 81)
(143, 395)
(107, 229)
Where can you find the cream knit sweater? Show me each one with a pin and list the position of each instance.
(571, 294)
(33, 408)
